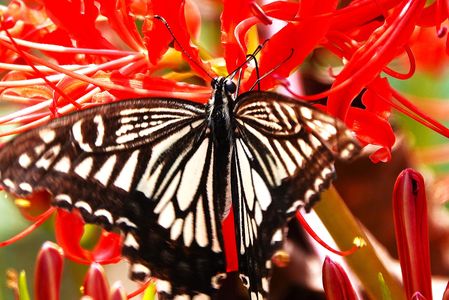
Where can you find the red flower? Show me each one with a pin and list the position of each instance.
(96, 284)
(48, 273)
(411, 228)
(336, 283)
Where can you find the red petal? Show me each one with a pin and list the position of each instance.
(369, 60)
(48, 273)
(418, 296)
(373, 98)
(282, 10)
(108, 248)
(412, 233)
(336, 283)
(434, 14)
(120, 20)
(118, 292)
(371, 129)
(193, 19)
(282, 46)
(69, 229)
(361, 12)
(158, 37)
(96, 284)
(59, 37)
(234, 11)
(77, 18)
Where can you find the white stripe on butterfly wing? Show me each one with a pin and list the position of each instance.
(245, 175)
(191, 176)
(168, 195)
(48, 157)
(187, 231)
(84, 167)
(201, 236)
(63, 165)
(150, 177)
(125, 179)
(104, 173)
(210, 202)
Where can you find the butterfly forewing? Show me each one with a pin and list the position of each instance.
(284, 154)
(142, 165)
(165, 171)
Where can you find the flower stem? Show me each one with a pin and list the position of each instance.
(343, 227)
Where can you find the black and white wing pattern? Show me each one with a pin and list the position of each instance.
(141, 165)
(283, 158)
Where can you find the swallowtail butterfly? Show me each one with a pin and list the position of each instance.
(167, 172)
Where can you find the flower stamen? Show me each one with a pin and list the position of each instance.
(358, 242)
(40, 220)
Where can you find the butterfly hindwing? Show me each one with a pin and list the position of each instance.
(141, 165)
(284, 154)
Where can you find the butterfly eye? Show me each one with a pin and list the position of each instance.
(230, 86)
(214, 83)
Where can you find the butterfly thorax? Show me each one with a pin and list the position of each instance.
(220, 110)
(221, 127)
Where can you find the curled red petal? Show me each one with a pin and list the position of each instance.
(108, 249)
(369, 60)
(282, 10)
(77, 18)
(48, 272)
(157, 36)
(336, 282)
(193, 19)
(120, 20)
(69, 229)
(283, 52)
(373, 98)
(234, 12)
(371, 129)
(412, 233)
(95, 283)
(358, 13)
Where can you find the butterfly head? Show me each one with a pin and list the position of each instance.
(224, 87)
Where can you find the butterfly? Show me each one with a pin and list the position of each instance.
(168, 172)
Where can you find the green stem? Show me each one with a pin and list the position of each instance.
(344, 227)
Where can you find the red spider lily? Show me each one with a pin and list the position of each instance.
(336, 282)
(118, 292)
(48, 272)
(411, 228)
(95, 283)
(93, 68)
(48, 275)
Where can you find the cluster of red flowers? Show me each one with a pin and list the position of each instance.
(58, 56)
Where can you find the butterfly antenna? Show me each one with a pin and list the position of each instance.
(249, 57)
(161, 19)
(272, 70)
